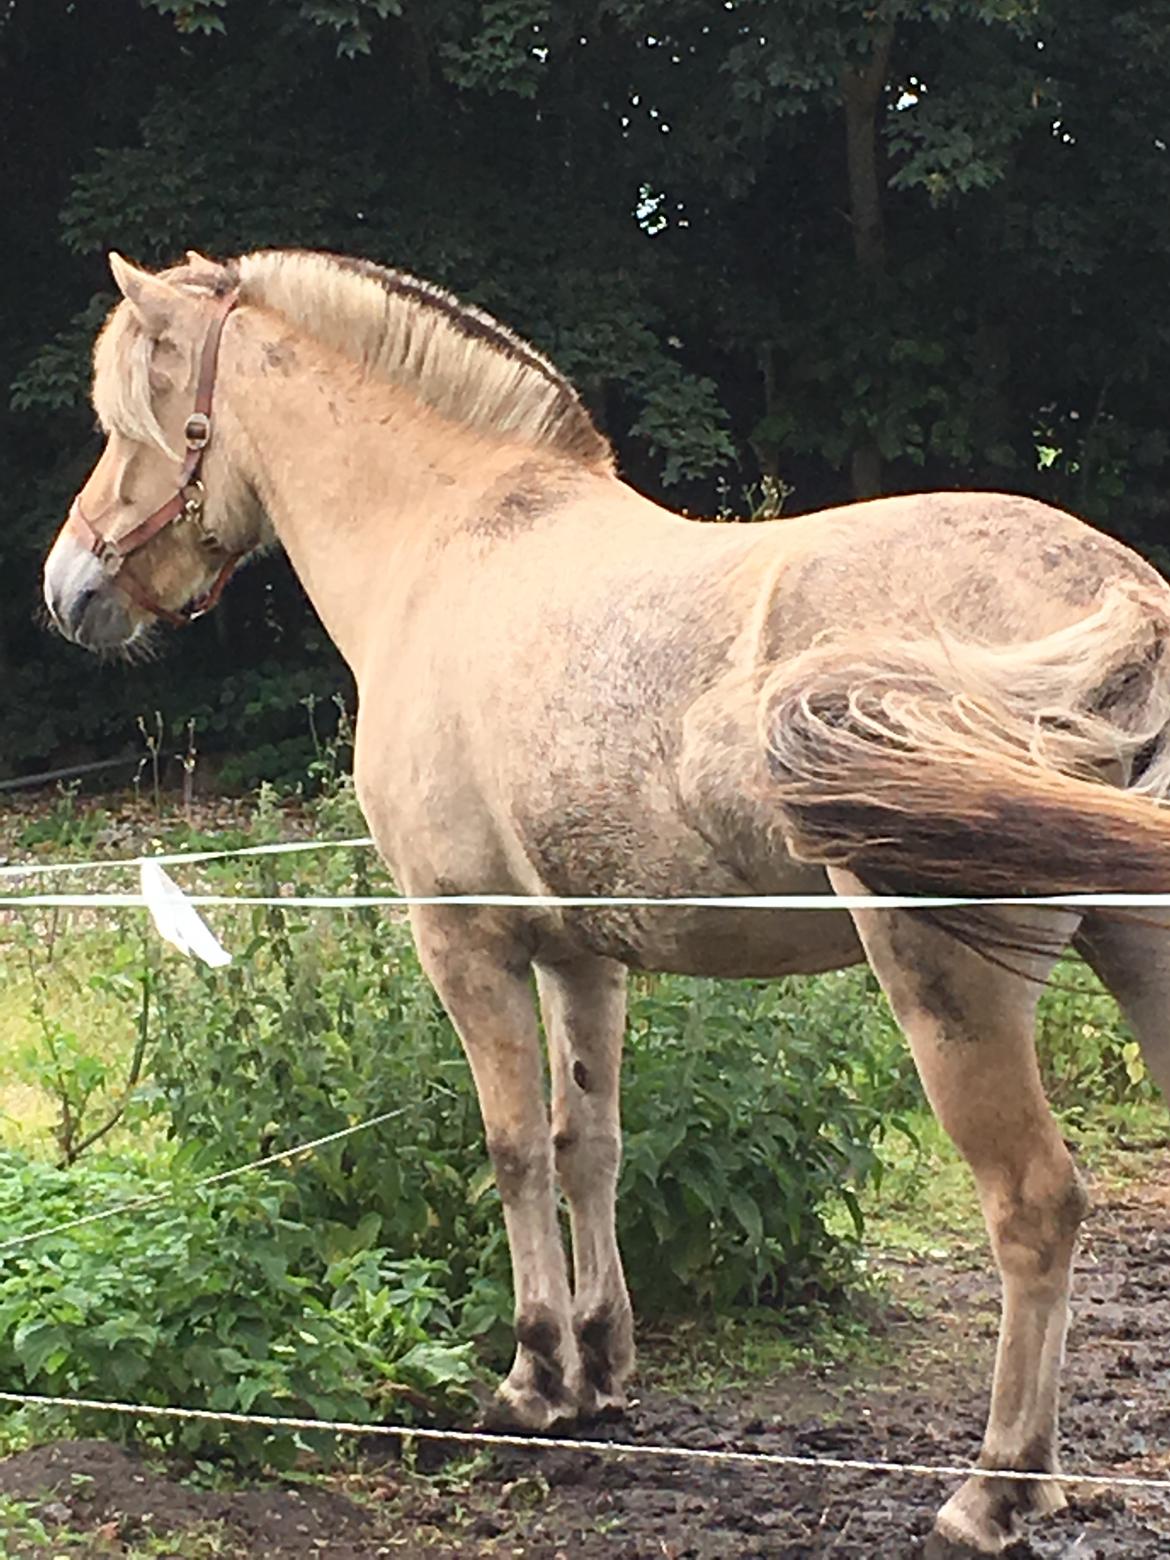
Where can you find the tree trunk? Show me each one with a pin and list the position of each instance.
(861, 92)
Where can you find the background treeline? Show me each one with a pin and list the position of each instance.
(815, 248)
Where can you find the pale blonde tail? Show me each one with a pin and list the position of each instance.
(943, 766)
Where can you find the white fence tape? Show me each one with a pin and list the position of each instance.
(179, 858)
(824, 901)
(488, 1438)
(1119, 901)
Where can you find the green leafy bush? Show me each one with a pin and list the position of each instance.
(215, 1298)
(751, 1112)
(322, 1022)
(1087, 1053)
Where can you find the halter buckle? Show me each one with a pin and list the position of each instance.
(106, 554)
(198, 431)
(192, 496)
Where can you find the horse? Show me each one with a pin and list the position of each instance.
(567, 690)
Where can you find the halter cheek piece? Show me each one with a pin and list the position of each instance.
(186, 504)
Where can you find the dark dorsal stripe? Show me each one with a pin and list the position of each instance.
(570, 425)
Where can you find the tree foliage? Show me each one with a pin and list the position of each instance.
(854, 247)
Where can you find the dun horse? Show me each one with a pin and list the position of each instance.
(567, 690)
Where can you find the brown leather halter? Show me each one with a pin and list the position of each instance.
(186, 504)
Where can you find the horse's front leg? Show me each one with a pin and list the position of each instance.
(483, 980)
(584, 1010)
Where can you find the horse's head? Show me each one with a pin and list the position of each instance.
(161, 520)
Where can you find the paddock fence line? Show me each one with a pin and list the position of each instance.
(47, 776)
(490, 1438)
(19, 870)
(482, 1438)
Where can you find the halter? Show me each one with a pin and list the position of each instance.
(186, 504)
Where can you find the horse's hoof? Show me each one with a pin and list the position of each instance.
(980, 1518)
(604, 1407)
(939, 1547)
(524, 1412)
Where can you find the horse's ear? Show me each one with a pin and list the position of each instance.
(201, 262)
(153, 300)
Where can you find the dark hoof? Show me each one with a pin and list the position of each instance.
(605, 1411)
(515, 1412)
(939, 1547)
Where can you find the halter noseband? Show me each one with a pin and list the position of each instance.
(186, 503)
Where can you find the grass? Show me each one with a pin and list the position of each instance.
(708, 1356)
(927, 1206)
(59, 993)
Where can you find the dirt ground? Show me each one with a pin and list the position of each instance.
(927, 1407)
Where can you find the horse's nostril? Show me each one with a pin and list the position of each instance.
(71, 614)
(82, 602)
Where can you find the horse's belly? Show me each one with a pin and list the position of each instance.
(734, 944)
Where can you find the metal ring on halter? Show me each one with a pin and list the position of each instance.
(106, 554)
(197, 431)
(193, 495)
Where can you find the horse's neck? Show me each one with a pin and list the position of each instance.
(359, 481)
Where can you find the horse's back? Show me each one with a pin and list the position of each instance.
(993, 567)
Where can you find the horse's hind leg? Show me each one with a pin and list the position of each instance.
(970, 1025)
(1133, 960)
(584, 1009)
(483, 980)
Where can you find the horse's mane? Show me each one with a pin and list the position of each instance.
(396, 328)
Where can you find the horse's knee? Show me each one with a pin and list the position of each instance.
(520, 1167)
(586, 1159)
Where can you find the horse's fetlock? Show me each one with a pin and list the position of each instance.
(1035, 1455)
(539, 1331)
(540, 1334)
(605, 1337)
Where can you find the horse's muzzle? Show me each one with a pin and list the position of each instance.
(81, 599)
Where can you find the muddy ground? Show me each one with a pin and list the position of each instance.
(926, 1407)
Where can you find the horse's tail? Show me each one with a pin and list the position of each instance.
(939, 766)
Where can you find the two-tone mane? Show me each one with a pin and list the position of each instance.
(454, 357)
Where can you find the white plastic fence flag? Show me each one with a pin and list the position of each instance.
(177, 918)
